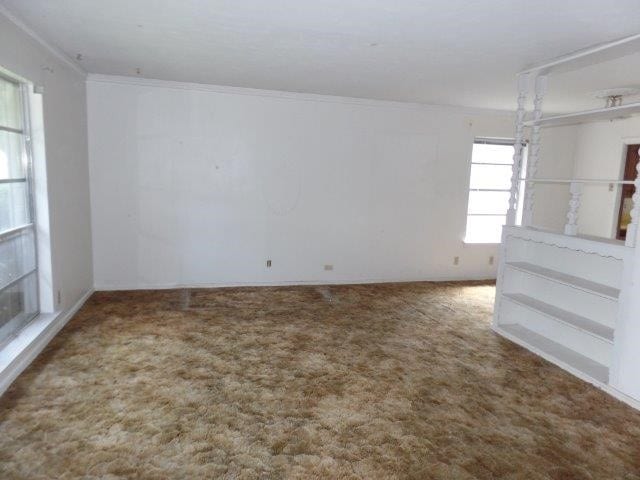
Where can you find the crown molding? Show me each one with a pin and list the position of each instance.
(52, 49)
(312, 97)
(308, 97)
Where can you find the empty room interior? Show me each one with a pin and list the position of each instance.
(338, 239)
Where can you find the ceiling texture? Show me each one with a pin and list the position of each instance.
(455, 52)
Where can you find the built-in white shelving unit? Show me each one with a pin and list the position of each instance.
(559, 297)
(565, 296)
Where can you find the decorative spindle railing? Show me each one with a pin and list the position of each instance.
(530, 176)
(534, 149)
(571, 228)
(576, 189)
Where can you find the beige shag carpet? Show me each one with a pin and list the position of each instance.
(344, 382)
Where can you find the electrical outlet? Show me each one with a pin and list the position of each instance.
(59, 297)
(328, 267)
(456, 260)
(491, 259)
(268, 263)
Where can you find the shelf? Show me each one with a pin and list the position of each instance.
(605, 247)
(587, 116)
(598, 330)
(554, 352)
(566, 279)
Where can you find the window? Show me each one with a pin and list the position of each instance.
(489, 189)
(18, 274)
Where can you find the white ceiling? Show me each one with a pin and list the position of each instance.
(459, 52)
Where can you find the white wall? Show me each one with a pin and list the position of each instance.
(64, 107)
(201, 185)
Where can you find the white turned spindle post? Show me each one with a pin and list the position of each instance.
(632, 228)
(523, 87)
(534, 151)
(571, 228)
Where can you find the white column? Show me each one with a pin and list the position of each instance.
(523, 87)
(632, 228)
(571, 228)
(534, 151)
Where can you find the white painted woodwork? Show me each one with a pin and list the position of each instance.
(534, 151)
(548, 252)
(562, 295)
(584, 181)
(572, 298)
(596, 329)
(556, 328)
(559, 296)
(518, 148)
(562, 278)
(581, 366)
(598, 114)
(603, 52)
(571, 228)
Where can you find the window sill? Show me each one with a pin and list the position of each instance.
(19, 352)
(23, 348)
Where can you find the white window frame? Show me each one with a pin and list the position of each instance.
(487, 141)
(14, 325)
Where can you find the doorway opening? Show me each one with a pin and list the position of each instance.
(626, 201)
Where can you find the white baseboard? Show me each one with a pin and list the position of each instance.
(623, 397)
(168, 286)
(18, 354)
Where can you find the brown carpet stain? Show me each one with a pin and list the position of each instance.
(395, 381)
